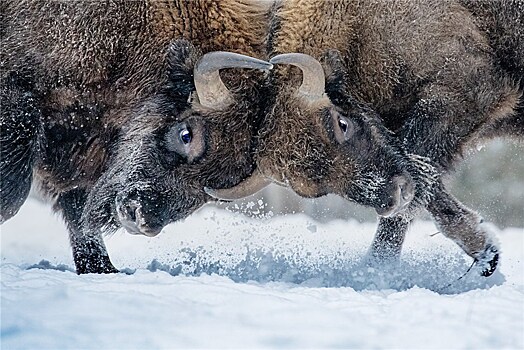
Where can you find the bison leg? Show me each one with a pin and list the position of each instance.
(389, 237)
(89, 251)
(441, 127)
(19, 127)
(464, 227)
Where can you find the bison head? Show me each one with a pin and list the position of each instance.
(196, 132)
(319, 139)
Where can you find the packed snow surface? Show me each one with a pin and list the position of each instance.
(222, 280)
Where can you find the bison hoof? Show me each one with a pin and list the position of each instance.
(99, 264)
(488, 260)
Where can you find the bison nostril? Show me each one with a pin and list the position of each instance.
(399, 193)
(406, 189)
(128, 211)
(134, 217)
(131, 211)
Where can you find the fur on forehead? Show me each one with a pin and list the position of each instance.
(182, 57)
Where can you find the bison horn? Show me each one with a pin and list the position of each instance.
(210, 89)
(313, 79)
(251, 185)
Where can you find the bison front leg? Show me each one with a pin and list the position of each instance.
(387, 244)
(19, 131)
(441, 127)
(89, 251)
(464, 227)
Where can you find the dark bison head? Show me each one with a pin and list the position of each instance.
(197, 132)
(318, 139)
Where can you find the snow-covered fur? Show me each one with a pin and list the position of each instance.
(425, 77)
(93, 95)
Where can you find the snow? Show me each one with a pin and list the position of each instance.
(222, 280)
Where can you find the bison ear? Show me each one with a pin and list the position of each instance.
(181, 59)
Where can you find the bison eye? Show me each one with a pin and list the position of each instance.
(343, 125)
(185, 136)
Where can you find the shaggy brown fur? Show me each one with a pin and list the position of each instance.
(502, 22)
(92, 94)
(424, 70)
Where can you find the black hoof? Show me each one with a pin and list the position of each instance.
(97, 264)
(488, 260)
(492, 266)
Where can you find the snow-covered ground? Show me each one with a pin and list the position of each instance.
(222, 280)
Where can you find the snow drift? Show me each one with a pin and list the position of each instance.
(220, 279)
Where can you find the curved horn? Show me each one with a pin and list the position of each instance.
(251, 185)
(210, 89)
(313, 79)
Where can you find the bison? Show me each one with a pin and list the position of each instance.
(403, 89)
(117, 112)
